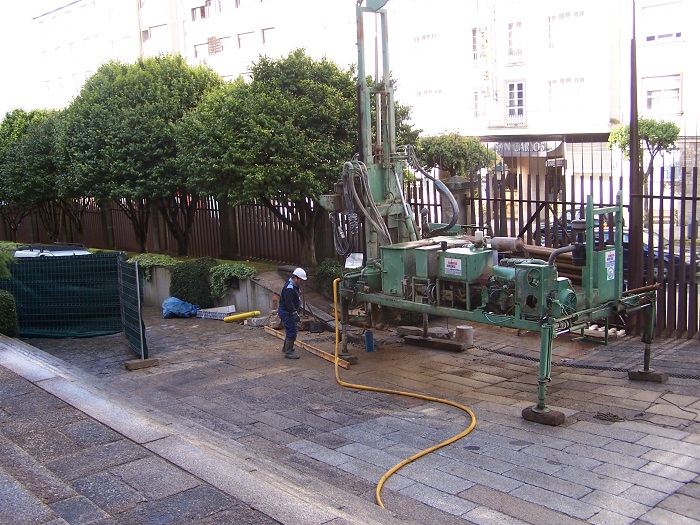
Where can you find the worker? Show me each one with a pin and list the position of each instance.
(288, 310)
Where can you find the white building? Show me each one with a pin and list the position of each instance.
(496, 68)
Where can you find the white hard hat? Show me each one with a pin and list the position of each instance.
(300, 273)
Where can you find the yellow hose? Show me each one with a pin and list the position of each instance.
(420, 454)
(238, 317)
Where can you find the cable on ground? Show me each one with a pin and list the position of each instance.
(420, 454)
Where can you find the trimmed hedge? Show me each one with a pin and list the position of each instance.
(9, 322)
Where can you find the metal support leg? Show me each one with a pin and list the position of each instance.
(647, 373)
(540, 413)
(344, 323)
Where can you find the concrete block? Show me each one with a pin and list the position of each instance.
(257, 321)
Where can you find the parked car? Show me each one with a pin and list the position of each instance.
(679, 255)
(50, 250)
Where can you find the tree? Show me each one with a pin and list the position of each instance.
(279, 141)
(655, 136)
(120, 140)
(14, 206)
(31, 175)
(455, 154)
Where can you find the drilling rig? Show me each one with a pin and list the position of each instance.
(438, 270)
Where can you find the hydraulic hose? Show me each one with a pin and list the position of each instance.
(442, 189)
(401, 393)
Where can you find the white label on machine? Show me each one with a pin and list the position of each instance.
(453, 266)
(610, 265)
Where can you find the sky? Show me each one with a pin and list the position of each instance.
(17, 88)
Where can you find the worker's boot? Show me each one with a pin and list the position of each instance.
(289, 349)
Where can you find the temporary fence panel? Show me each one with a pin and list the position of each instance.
(131, 301)
(69, 296)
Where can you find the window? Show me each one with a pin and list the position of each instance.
(479, 104)
(245, 39)
(515, 50)
(565, 94)
(199, 13)
(475, 45)
(662, 95)
(564, 28)
(268, 35)
(516, 104)
(662, 23)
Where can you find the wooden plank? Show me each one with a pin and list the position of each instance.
(309, 348)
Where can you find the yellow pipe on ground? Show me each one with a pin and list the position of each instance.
(420, 454)
(239, 317)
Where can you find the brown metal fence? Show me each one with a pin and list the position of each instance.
(540, 178)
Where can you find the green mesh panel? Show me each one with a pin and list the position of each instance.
(131, 286)
(73, 296)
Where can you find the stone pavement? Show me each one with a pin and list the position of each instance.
(225, 430)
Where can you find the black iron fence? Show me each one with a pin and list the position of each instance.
(538, 187)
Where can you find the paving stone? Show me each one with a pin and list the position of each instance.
(78, 510)
(613, 431)
(607, 456)
(18, 506)
(606, 517)
(644, 495)
(518, 458)
(666, 471)
(477, 460)
(485, 516)
(371, 455)
(154, 477)
(671, 445)
(31, 474)
(682, 504)
(108, 492)
(438, 499)
(554, 484)
(555, 501)
(482, 477)
(564, 457)
(659, 516)
(639, 478)
(319, 452)
(96, 459)
(89, 432)
(187, 507)
(616, 504)
(439, 480)
(691, 489)
(373, 474)
(592, 480)
(516, 507)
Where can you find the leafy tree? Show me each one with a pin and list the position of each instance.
(14, 206)
(31, 175)
(655, 136)
(119, 139)
(280, 140)
(455, 154)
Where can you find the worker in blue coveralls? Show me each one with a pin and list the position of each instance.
(288, 310)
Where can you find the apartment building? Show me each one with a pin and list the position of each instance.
(503, 69)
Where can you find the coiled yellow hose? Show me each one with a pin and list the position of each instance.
(408, 394)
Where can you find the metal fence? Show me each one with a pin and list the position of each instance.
(539, 186)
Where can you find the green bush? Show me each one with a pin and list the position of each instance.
(149, 260)
(9, 323)
(189, 282)
(327, 272)
(223, 274)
